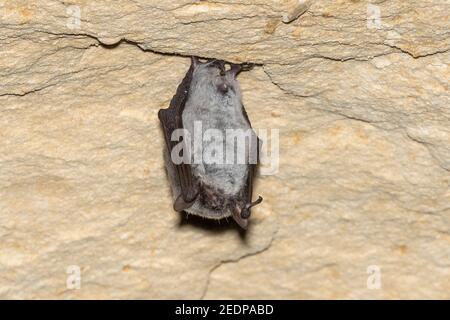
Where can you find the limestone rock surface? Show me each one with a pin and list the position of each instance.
(360, 204)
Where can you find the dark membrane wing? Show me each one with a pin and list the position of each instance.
(171, 119)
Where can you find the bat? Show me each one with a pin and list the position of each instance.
(207, 110)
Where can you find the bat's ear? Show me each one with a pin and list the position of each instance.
(245, 214)
(180, 204)
(243, 223)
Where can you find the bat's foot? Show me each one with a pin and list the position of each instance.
(235, 69)
(247, 66)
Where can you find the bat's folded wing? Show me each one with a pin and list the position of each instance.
(171, 119)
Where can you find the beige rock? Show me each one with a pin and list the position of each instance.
(358, 90)
(294, 9)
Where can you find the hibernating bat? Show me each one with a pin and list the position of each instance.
(212, 151)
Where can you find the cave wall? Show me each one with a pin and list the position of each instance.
(359, 207)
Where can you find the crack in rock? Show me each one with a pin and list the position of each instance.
(222, 262)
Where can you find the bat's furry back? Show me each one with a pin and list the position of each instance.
(210, 110)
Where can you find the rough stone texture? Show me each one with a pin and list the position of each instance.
(363, 108)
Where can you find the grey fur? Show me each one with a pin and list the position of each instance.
(215, 110)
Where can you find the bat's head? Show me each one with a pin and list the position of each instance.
(217, 75)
